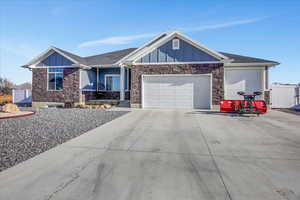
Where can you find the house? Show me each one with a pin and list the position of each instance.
(170, 71)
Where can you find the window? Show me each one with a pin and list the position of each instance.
(175, 44)
(55, 78)
(112, 82)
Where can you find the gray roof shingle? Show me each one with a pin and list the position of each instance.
(114, 56)
(108, 58)
(245, 59)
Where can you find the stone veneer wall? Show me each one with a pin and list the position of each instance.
(94, 95)
(267, 97)
(217, 71)
(70, 90)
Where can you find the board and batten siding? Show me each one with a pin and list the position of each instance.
(186, 53)
(55, 59)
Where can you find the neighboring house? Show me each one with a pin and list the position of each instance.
(170, 71)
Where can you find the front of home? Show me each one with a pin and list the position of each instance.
(170, 71)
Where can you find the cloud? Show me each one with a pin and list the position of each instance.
(222, 25)
(116, 40)
(22, 50)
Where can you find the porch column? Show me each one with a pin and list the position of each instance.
(122, 80)
(97, 80)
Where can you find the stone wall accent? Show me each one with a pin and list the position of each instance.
(217, 71)
(267, 97)
(70, 92)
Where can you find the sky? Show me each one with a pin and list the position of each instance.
(268, 29)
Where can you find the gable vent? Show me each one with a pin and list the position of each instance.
(175, 44)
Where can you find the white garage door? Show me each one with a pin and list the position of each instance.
(247, 80)
(176, 91)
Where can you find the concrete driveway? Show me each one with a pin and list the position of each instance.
(152, 154)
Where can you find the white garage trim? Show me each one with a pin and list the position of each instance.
(175, 75)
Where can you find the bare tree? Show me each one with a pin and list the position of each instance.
(6, 86)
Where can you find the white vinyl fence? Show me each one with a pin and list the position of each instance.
(21, 96)
(284, 95)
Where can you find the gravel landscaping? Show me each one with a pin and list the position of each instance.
(25, 137)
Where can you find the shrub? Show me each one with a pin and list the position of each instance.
(4, 99)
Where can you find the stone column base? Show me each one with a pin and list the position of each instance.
(215, 107)
(136, 105)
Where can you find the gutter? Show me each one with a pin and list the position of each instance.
(268, 64)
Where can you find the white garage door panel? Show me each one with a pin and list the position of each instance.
(247, 80)
(169, 91)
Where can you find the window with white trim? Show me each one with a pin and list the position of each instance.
(175, 44)
(55, 78)
(112, 82)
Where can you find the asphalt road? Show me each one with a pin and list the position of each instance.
(161, 155)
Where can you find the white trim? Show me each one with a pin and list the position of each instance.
(176, 75)
(88, 90)
(80, 86)
(34, 60)
(58, 51)
(111, 75)
(268, 64)
(264, 79)
(178, 63)
(142, 91)
(246, 67)
(65, 66)
(127, 79)
(47, 53)
(184, 38)
(267, 78)
(208, 74)
(122, 83)
(106, 66)
(46, 66)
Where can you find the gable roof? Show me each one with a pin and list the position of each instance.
(129, 55)
(164, 38)
(78, 61)
(71, 55)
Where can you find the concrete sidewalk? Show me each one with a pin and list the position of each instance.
(154, 154)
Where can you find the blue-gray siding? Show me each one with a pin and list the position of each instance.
(89, 78)
(55, 59)
(186, 53)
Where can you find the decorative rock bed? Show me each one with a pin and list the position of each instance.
(23, 138)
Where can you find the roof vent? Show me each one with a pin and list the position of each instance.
(175, 44)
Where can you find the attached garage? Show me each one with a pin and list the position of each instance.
(248, 80)
(177, 91)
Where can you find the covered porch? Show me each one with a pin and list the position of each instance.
(105, 83)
